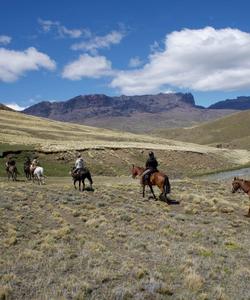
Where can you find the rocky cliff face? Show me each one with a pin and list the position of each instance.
(129, 113)
(81, 107)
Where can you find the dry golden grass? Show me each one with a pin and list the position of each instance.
(112, 244)
(48, 135)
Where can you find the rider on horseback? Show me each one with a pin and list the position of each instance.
(10, 162)
(79, 164)
(27, 161)
(34, 164)
(151, 167)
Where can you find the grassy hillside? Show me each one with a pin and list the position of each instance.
(231, 131)
(57, 243)
(106, 152)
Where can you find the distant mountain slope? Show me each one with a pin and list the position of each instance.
(231, 131)
(4, 107)
(128, 113)
(241, 103)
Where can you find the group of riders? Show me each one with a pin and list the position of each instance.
(29, 166)
(151, 165)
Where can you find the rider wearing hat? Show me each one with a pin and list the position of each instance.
(151, 166)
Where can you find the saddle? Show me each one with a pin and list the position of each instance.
(80, 171)
(146, 176)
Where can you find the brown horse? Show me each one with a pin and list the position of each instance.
(244, 185)
(27, 171)
(12, 173)
(157, 178)
(80, 176)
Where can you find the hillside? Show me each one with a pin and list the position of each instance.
(240, 103)
(57, 243)
(4, 107)
(106, 152)
(128, 113)
(230, 131)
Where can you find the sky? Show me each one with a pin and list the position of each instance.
(56, 50)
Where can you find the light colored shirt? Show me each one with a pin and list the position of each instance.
(79, 163)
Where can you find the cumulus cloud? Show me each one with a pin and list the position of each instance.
(99, 42)
(14, 64)
(15, 106)
(135, 62)
(88, 66)
(5, 39)
(61, 30)
(205, 59)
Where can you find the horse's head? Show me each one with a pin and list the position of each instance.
(236, 184)
(135, 171)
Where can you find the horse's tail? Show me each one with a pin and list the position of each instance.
(167, 186)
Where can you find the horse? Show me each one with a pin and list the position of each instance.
(80, 176)
(244, 185)
(27, 171)
(157, 178)
(39, 175)
(12, 173)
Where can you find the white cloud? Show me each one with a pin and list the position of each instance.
(15, 106)
(5, 40)
(99, 42)
(88, 66)
(14, 64)
(61, 30)
(135, 62)
(205, 59)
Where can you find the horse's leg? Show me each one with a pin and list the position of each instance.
(74, 183)
(143, 190)
(83, 185)
(90, 180)
(152, 191)
(248, 214)
(79, 184)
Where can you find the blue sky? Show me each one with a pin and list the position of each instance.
(55, 50)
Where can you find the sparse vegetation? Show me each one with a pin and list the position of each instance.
(229, 132)
(58, 243)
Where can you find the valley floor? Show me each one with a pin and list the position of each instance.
(59, 243)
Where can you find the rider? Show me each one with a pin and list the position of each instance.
(27, 161)
(79, 164)
(34, 164)
(10, 162)
(151, 166)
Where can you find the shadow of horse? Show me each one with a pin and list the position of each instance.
(80, 176)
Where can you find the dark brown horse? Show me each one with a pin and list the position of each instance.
(80, 176)
(157, 178)
(244, 185)
(27, 171)
(12, 172)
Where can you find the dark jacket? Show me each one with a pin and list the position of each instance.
(11, 162)
(152, 163)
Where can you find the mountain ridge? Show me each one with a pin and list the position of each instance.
(240, 103)
(139, 113)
